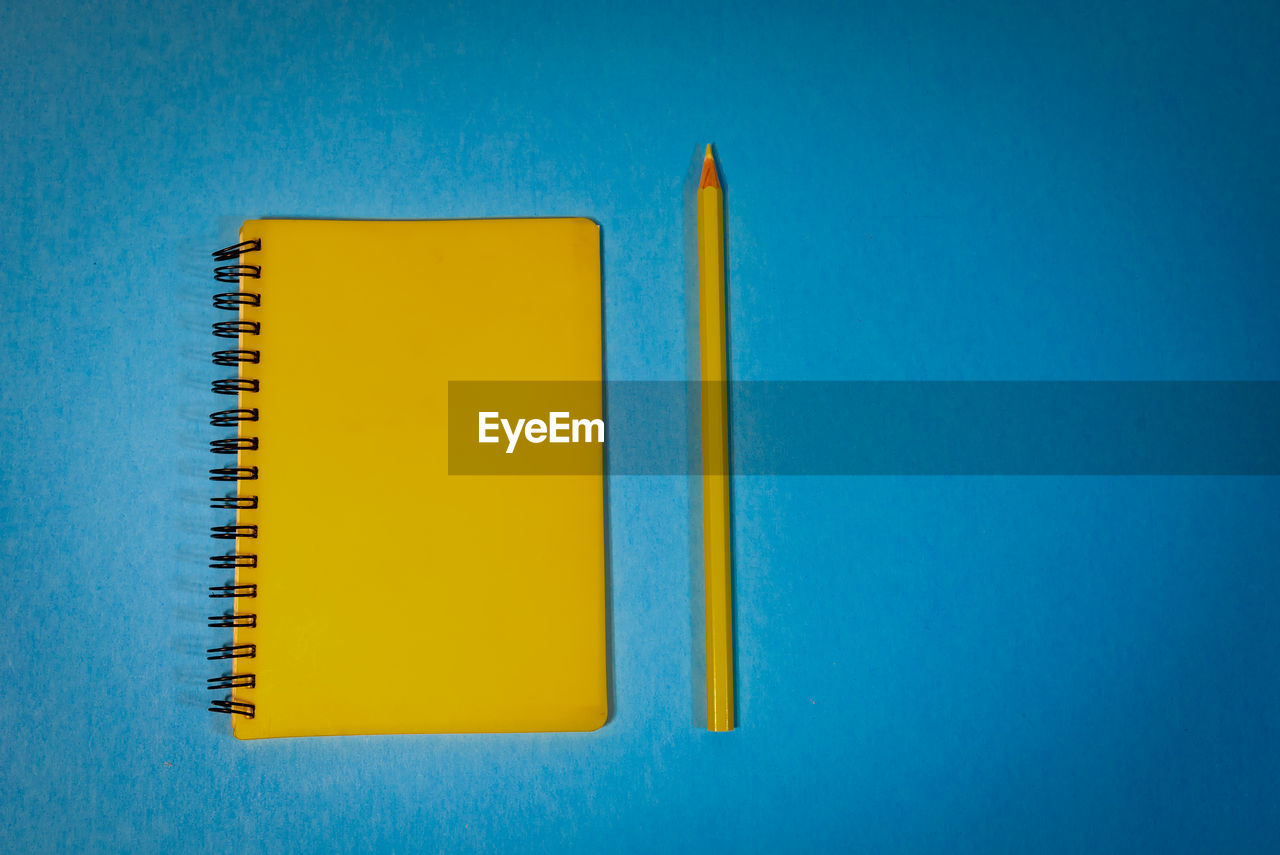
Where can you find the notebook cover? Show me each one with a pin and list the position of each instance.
(392, 596)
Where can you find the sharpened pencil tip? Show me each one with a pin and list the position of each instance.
(709, 176)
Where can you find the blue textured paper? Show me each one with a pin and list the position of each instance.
(1046, 191)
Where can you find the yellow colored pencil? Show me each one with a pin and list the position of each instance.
(715, 449)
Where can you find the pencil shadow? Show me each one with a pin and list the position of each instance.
(693, 408)
(726, 187)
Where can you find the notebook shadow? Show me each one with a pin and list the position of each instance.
(610, 659)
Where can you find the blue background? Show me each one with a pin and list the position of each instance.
(1065, 191)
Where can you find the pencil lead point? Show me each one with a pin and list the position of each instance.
(709, 176)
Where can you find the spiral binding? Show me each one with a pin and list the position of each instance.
(234, 273)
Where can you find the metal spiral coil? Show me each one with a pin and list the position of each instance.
(232, 274)
(233, 532)
(233, 561)
(234, 386)
(235, 329)
(230, 253)
(232, 358)
(230, 418)
(233, 300)
(232, 708)
(234, 473)
(222, 592)
(232, 619)
(232, 651)
(234, 503)
(234, 445)
(231, 681)
(232, 270)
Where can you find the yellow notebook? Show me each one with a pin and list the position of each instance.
(369, 590)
